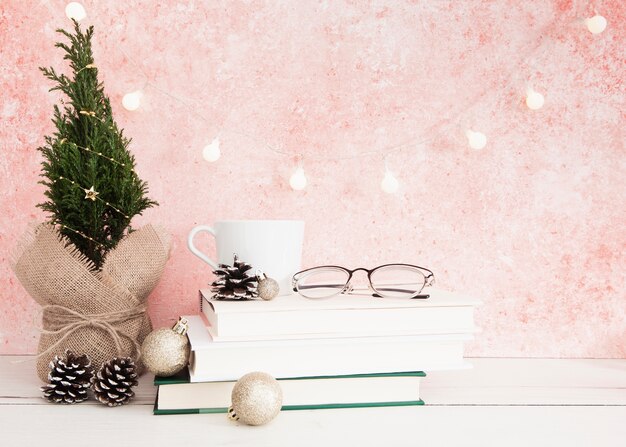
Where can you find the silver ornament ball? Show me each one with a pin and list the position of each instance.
(165, 352)
(268, 288)
(256, 399)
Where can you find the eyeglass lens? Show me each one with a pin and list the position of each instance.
(322, 282)
(397, 281)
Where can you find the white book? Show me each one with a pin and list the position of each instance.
(218, 361)
(293, 316)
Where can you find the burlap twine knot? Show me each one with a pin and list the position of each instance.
(98, 313)
(63, 321)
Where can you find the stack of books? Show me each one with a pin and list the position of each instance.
(347, 351)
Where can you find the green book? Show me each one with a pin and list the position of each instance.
(177, 395)
(180, 377)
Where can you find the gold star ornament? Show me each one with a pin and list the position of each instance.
(91, 194)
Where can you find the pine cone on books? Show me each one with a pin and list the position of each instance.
(234, 283)
(69, 379)
(113, 384)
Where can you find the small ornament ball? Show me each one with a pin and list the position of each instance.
(256, 399)
(267, 288)
(166, 351)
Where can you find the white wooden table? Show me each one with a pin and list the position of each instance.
(501, 402)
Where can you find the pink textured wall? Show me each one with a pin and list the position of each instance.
(533, 223)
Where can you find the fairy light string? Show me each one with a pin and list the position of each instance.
(99, 154)
(91, 194)
(435, 130)
(91, 114)
(475, 138)
(80, 233)
(86, 67)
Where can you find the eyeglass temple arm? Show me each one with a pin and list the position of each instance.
(430, 279)
(421, 296)
(295, 289)
(388, 289)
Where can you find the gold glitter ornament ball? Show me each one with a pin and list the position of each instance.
(267, 288)
(165, 351)
(256, 399)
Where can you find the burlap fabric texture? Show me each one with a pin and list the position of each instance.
(98, 313)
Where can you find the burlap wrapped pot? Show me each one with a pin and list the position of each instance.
(98, 313)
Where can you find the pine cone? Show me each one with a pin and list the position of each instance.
(233, 283)
(113, 384)
(69, 378)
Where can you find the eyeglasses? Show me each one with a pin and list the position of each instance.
(385, 281)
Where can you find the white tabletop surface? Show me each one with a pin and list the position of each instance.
(500, 402)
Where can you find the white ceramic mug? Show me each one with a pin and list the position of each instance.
(272, 246)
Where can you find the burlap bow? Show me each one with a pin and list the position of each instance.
(101, 314)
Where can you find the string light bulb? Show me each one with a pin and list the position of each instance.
(297, 181)
(596, 24)
(76, 11)
(211, 152)
(132, 101)
(534, 100)
(389, 183)
(476, 140)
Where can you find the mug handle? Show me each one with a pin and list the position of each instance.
(193, 248)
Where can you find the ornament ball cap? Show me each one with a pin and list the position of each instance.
(181, 327)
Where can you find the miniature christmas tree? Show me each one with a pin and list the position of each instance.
(93, 191)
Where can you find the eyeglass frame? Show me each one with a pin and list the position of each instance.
(429, 280)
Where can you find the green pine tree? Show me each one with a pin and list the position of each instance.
(88, 150)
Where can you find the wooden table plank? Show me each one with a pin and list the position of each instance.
(19, 384)
(530, 382)
(400, 426)
(536, 372)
